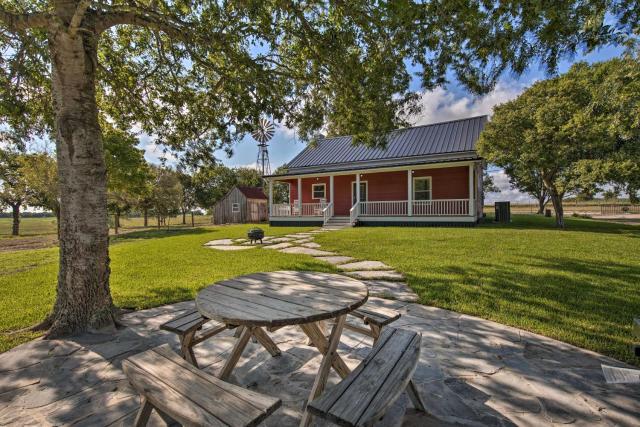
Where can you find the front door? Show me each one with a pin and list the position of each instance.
(363, 192)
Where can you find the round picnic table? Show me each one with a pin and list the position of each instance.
(284, 298)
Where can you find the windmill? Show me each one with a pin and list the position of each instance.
(263, 134)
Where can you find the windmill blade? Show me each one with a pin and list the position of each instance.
(264, 132)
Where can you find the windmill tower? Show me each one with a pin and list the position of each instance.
(263, 134)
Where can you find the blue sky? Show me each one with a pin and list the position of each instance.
(445, 103)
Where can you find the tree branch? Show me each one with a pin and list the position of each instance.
(19, 22)
(78, 16)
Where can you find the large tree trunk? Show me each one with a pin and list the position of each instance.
(146, 217)
(83, 300)
(56, 211)
(542, 202)
(15, 213)
(193, 222)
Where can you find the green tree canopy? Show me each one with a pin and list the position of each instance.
(560, 125)
(198, 75)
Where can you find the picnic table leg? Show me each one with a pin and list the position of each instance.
(186, 348)
(235, 354)
(315, 334)
(330, 355)
(143, 413)
(414, 395)
(266, 341)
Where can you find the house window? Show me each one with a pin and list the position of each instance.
(235, 207)
(318, 191)
(422, 188)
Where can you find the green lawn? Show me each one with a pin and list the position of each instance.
(148, 268)
(581, 285)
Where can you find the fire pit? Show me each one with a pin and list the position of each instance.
(255, 234)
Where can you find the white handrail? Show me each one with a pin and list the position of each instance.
(384, 208)
(354, 212)
(327, 213)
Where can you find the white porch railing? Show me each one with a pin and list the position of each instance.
(294, 209)
(442, 207)
(386, 208)
(327, 213)
(354, 212)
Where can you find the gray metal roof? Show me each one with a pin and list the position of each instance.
(436, 139)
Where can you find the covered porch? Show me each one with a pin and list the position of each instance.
(432, 193)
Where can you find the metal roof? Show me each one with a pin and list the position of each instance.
(252, 192)
(454, 136)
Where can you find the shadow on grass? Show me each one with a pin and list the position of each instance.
(589, 304)
(537, 222)
(159, 233)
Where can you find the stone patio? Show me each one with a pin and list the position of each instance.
(472, 372)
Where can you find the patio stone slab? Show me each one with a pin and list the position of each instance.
(230, 247)
(335, 260)
(394, 290)
(281, 239)
(312, 245)
(220, 242)
(306, 251)
(80, 381)
(278, 245)
(376, 275)
(364, 265)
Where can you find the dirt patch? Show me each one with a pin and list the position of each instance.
(25, 243)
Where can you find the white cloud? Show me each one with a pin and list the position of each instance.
(501, 180)
(440, 104)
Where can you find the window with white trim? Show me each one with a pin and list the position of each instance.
(422, 188)
(318, 191)
(235, 207)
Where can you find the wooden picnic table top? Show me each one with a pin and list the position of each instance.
(281, 298)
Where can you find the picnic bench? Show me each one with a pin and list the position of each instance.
(179, 390)
(365, 394)
(375, 318)
(189, 328)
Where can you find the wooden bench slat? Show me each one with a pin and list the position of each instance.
(379, 316)
(185, 322)
(375, 384)
(167, 399)
(229, 404)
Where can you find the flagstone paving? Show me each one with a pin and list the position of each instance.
(229, 247)
(471, 372)
(376, 275)
(364, 265)
(306, 251)
(391, 290)
(278, 245)
(335, 260)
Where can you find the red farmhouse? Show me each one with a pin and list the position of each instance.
(426, 175)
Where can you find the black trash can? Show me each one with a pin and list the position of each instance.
(503, 212)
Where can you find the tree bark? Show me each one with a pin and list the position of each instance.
(556, 199)
(15, 213)
(184, 216)
(116, 221)
(57, 213)
(159, 222)
(146, 217)
(542, 202)
(193, 223)
(83, 300)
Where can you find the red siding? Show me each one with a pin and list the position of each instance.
(447, 183)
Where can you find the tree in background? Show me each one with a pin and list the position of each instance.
(248, 177)
(41, 175)
(557, 125)
(127, 172)
(14, 191)
(229, 63)
(280, 189)
(528, 180)
(188, 198)
(166, 194)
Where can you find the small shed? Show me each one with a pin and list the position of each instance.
(241, 205)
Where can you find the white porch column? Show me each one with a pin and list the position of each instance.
(270, 198)
(300, 196)
(410, 192)
(331, 189)
(357, 188)
(471, 204)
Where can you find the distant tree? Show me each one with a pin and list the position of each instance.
(41, 175)
(529, 181)
(248, 177)
(14, 191)
(127, 172)
(280, 189)
(166, 194)
(558, 124)
(188, 199)
(488, 184)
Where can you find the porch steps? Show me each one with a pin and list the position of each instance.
(337, 223)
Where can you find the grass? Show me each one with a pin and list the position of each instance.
(148, 268)
(580, 286)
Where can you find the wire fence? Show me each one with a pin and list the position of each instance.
(619, 209)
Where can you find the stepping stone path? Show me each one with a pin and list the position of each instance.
(382, 280)
(364, 265)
